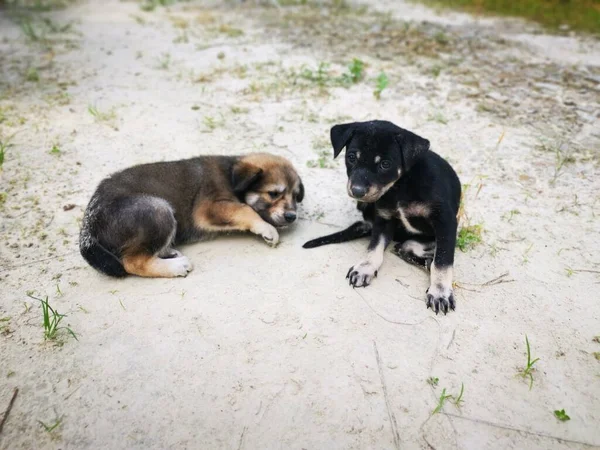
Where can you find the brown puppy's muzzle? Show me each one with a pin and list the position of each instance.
(282, 217)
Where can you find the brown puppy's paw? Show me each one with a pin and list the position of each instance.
(361, 274)
(179, 266)
(440, 298)
(268, 233)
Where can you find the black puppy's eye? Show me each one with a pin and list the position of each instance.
(273, 194)
(351, 158)
(385, 165)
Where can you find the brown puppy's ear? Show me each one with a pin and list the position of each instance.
(300, 196)
(340, 136)
(243, 176)
(412, 147)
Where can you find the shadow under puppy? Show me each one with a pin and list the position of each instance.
(136, 216)
(406, 193)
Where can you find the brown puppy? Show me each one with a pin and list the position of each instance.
(136, 216)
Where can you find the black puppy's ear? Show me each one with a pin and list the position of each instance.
(340, 136)
(300, 196)
(412, 147)
(243, 176)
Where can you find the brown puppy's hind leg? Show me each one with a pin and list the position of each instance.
(232, 215)
(143, 228)
(152, 266)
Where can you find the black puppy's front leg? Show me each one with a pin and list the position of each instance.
(440, 294)
(362, 273)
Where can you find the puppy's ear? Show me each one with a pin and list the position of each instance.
(300, 196)
(412, 147)
(340, 136)
(244, 175)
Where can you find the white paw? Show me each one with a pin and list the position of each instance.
(180, 266)
(440, 297)
(361, 274)
(268, 233)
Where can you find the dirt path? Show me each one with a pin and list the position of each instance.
(261, 348)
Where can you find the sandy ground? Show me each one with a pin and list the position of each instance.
(262, 348)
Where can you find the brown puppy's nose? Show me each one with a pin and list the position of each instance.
(289, 216)
(358, 191)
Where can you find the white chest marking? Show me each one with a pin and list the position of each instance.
(406, 223)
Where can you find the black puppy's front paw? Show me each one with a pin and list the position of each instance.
(440, 299)
(361, 274)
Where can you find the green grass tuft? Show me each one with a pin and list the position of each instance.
(468, 237)
(561, 415)
(527, 372)
(381, 83)
(52, 320)
(581, 15)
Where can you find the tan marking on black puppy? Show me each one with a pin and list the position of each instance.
(136, 216)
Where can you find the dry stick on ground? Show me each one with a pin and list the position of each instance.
(586, 270)
(499, 279)
(391, 416)
(242, 438)
(7, 412)
(519, 430)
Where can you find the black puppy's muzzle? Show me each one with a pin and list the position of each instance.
(358, 190)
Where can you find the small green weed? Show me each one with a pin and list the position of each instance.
(321, 76)
(151, 5)
(5, 144)
(438, 117)
(458, 400)
(211, 122)
(102, 116)
(55, 150)
(164, 61)
(51, 428)
(29, 29)
(596, 355)
(52, 320)
(322, 162)
(441, 38)
(230, 31)
(355, 72)
(4, 325)
(511, 214)
(443, 397)
(468, 237)
(239, 110)
(433, 381)
(526, 254)
(381, 83)
(441, 401)
(561, 415)
(527, 372)
(32, 75)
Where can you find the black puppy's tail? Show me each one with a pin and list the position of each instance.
(355, 231)
(100, 258)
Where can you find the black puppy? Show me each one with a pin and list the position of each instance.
(406, 193)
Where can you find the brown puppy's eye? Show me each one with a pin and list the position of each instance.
(273, 194)
(351, 158)
(385, 165)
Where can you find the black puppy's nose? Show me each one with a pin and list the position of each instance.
(289, 216)
(358, 191)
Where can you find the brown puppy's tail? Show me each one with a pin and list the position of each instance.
(355, 231)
